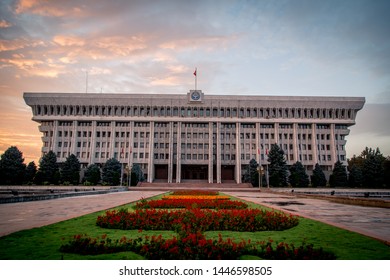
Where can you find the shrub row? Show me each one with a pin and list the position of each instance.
(195, 192)
(191, 204)
(194, 220)
(193, 246)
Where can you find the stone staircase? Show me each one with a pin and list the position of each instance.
(194, 185)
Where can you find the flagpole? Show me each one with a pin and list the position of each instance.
(196, 77)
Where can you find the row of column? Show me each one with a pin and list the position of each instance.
(213, 128)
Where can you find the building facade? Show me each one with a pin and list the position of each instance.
(176, 137)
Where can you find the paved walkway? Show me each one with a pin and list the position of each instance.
(370, 221)
(27, 215)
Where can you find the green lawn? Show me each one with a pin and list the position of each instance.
(43, 243)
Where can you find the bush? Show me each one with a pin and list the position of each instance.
(197, 220)
(193, 246)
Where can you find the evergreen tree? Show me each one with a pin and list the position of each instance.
(298, 177)
(92, 174)
(373, 170)
(386, 168)
(253, 172)
(31, 170)
(339, 176)
(137, 175)
(318, 178)
(70, 171)
(112, 172)
(356, 161)
(277, 167)
(12, 167)
(48, 172)
(355, 178)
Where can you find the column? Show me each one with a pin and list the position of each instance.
(211, 142)
(73, 139)
(151, 153)
(171, 152)
(178, 163)
(112, 140)
(130, 140)
(314, 144)
(54, 146)
(333, 145)
(93, 143)
(238, 153)
(258, 144)
(219, 179)
(295, 144)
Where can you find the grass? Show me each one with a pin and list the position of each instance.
(43, 243)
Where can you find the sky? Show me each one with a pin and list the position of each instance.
(261, 47)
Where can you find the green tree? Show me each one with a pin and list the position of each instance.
(112, 172)
(253, 172)
(355, 178)
(318, 178)
(12, 167)
(277, 167)
(386, 167)
(356, 161)
(92, 174)
(137, 175)
(373, 169)
(70, 170)
(298, 177)
(48, 172)
(338, 178)
(31, 170)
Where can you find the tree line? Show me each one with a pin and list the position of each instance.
(369, 170)
(13, 171)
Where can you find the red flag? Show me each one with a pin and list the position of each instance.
(258, 151)
(195, 72)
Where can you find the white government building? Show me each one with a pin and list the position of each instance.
(194, 136)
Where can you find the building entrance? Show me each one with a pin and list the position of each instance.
(161, 171)
(194, 172)
(227, 172)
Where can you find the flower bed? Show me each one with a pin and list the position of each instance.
(191, 203)
(192, 247)
(197, 220)
(190, 223)
(208, 197)
(194, 192)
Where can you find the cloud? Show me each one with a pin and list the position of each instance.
(243, 47)
(19, 43)
(57, 8)
(4, 24)
(69, 41)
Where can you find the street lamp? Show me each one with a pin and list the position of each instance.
(261, 169)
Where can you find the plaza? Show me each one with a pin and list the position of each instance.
(369, 221)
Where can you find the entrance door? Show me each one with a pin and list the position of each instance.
(227, 172)
(194, 172)
(161, 172)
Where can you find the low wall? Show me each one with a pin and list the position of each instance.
(13, 194)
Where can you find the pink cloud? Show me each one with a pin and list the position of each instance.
(4, 24)
(48, 8)
(69, 41)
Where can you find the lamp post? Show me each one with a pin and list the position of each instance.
(260, 173)
(129, 175)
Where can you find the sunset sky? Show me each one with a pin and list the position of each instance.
(263, 47)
